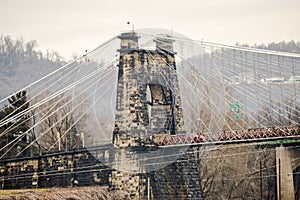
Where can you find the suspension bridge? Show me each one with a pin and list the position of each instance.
(151, 95)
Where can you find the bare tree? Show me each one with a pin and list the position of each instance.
(57, 120)
(238, 172)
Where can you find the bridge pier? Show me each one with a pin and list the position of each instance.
(148, 104)
(127, 175)
(141, 177)
(284, 172)
(178, 180)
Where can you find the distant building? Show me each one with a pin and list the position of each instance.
(294, 79)
(241, 78)
(273, 80)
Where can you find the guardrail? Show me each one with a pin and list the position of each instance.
(257, 133)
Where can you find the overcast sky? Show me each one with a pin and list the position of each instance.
(71, 26)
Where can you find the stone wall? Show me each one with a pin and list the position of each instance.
(77, 168)
(158, 174)
(178, 180)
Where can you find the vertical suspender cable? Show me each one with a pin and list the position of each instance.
(257, 89)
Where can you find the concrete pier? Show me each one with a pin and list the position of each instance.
(284, 171)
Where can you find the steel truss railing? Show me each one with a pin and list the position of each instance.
(257, 133)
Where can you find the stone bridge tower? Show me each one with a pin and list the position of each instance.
(148, 100)
(148, 103)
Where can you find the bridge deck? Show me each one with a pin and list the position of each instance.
(250, 135)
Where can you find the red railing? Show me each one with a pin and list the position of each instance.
(257, 133)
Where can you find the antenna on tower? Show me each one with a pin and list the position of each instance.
(128, 23)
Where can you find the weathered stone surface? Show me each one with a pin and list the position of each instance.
(148, 100)
(179, 180)
(148, 103)
(53, 170)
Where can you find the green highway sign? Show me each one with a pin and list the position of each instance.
(235, 110)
